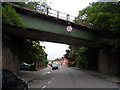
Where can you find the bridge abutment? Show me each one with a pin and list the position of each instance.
(9, 60)
(108, 62)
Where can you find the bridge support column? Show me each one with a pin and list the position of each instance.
(108, 62)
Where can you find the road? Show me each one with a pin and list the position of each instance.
(67, 77)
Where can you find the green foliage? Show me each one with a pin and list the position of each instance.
(26, 50)
(101, 15)
(10, 16)
(104, 16)
(46, 61)
(32, 51)
(82, 61)
(40, 6)
(84, 57)
(78, 54)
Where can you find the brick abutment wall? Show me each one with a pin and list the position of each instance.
(108, 62)
(9, 60)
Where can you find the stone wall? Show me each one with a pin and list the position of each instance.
(9, 61)
(108, 62)
(39, 65)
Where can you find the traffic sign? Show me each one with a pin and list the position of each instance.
(69, 28)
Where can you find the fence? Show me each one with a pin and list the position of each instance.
(57, 14)
(61, 15)
(64, 16)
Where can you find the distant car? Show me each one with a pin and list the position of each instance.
(10, 81)
(24, 65)
(54, 66)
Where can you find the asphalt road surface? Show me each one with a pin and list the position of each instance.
(67, 77)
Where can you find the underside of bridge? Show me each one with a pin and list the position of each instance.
(47, 36)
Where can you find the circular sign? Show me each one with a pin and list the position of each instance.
(69, 28)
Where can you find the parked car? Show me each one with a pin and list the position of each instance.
(24, 65)
(11, 81)
(54, 66)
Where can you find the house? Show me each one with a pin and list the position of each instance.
(57, 61)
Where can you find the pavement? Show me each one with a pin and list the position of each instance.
(32, 75)
(114, 79)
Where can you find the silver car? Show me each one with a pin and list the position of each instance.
(54, 66)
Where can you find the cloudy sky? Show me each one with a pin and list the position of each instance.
(54, 50)
(71, 7)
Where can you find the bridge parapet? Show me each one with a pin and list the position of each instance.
(55, 13)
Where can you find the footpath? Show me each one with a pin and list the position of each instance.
(114, 79)
(32, 75)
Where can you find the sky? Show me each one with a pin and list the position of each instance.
(54, 50)
(72, 7)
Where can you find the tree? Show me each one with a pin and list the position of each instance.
(10, 16)
(31, 51)
(40, 6)
(27, 50)
(84, 57)
(77, 54)
(103, 16)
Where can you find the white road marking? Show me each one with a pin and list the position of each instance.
(44, 86)
(44, 74)
(49, 82)
(48, 72)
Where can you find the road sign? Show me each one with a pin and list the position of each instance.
(69, 28)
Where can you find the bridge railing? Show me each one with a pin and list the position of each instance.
(64, 16)
(58, 14)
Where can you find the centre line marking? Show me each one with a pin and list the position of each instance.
(44, 74)
(44, 86)
(49, 82)
(48, 72)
